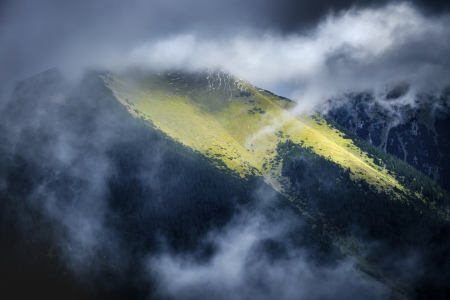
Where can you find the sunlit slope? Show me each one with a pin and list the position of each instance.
(227, 118)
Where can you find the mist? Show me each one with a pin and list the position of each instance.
(118, 215)
(341, 47)
(255, 259)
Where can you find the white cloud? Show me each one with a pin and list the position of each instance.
(241, 269)
(358, 49)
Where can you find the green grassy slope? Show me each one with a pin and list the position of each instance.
(229, 119)
(242, 126)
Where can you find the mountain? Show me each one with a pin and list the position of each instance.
(242, 126)
(414, 128)
(120, 166)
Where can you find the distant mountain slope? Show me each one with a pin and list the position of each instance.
(417, 132)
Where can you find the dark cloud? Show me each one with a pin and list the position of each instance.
(36, 35)
(434, 6)
(291, 16)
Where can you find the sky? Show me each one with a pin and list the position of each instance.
(305, 50)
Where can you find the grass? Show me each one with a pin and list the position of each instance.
(184, 122)
(241, 131)
(218, 124)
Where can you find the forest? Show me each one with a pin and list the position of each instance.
(354, 207)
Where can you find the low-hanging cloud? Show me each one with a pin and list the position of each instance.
(242, 269)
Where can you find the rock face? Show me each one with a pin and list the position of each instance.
(417, 131)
